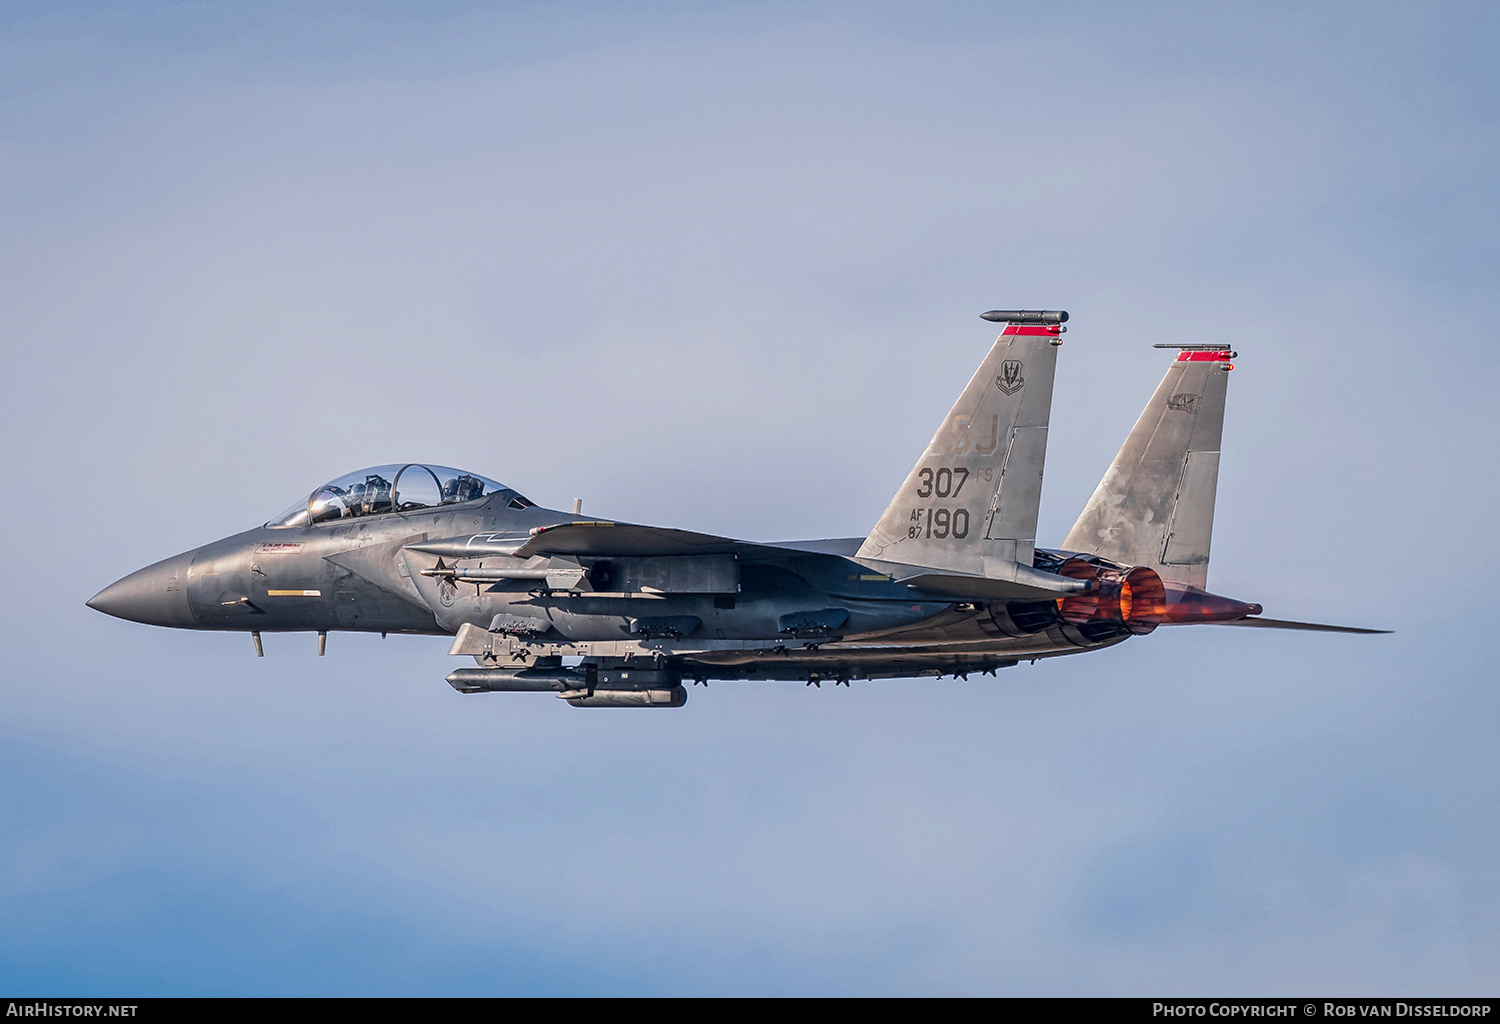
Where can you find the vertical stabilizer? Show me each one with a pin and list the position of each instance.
(970, 503)
(1155, 505)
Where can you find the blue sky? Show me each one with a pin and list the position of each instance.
(719, 267)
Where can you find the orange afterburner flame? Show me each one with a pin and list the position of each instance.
(1133, 598)
(1139, 600)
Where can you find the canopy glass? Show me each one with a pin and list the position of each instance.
(396, 488)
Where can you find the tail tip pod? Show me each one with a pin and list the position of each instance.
(1026, 316)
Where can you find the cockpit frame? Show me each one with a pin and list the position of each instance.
(377, 491)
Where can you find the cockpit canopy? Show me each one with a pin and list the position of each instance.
(396, 488)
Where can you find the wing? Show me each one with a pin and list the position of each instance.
(606, 539)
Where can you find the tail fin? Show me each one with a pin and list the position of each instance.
(1155, 505)
(970, 503)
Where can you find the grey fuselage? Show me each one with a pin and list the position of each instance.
(363, 574)
(949, 581)
(360, 575)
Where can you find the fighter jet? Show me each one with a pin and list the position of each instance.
(605, 613)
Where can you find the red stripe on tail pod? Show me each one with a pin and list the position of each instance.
(1030, 329)
(1204, 357)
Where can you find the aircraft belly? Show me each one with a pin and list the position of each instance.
(954, 624)
(869, 661)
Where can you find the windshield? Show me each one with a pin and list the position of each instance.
(394, 488)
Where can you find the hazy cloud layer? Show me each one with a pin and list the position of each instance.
(720, 269)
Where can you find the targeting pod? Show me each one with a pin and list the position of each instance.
(587, 686)
(675, 697)
(545, 679)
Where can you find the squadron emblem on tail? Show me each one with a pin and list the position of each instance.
(1009, 379)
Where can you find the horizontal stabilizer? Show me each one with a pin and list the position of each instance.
(1316, 627)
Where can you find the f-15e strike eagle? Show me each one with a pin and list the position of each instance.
(950, 580)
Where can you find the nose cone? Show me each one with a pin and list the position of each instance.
(156, 595)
